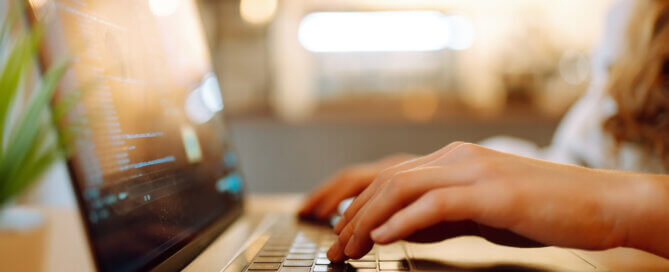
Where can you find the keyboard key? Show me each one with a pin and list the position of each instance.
(268, 259)
(396, 266)
(392, 252)
(303, 250)
(272, 253)
(276, 248)
(303, 241)
(322, 255)
(322, 261)
(358, 264)
(264, 266)
(283, 238)
(298, 263)
(304, 245)
(338, 267)
(282, 242)
(295, 269)
(300, 256)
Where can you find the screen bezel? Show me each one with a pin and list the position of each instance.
(183, 252)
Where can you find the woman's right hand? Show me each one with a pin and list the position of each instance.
(323, 201)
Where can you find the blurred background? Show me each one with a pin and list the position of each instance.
(308, 90)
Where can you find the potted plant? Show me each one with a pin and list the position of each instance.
(29, 141)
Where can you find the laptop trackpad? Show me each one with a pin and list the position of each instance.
(477, 254)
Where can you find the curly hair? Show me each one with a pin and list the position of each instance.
(639, 82)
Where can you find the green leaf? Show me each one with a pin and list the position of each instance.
(36, 164)
(12, 182)
(65, 104)
(19, 61)
(31, 144)
(35, 169)
(23, 137)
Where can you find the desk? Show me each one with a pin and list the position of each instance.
(66, 248)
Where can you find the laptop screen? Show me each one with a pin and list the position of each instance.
(152, 164)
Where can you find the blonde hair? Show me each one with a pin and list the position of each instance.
(639, 82)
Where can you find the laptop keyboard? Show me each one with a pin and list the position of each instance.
(304, 250)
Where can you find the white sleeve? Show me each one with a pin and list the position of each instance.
(579, 138)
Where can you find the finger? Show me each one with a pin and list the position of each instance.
(334, 253)
(338, 253)
(448, 204)
(370, 191)
(330, 202)
(312, 204)
(317, 196)
(383, 176)
(403, 188)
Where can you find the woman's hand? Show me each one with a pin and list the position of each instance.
(345, 184)
(465, 189)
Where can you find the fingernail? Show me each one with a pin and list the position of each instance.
(340, 224)
(380, 233)
(350, 246)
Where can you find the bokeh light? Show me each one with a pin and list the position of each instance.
(385, 31)
(257, 11)
(163, 7)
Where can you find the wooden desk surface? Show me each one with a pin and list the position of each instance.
(66, 248)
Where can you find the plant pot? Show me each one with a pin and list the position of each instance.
(22, 239)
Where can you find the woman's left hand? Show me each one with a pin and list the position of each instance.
(466, 189)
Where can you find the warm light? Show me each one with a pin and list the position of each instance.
(163, 7)
(257, 11)
(385, 31)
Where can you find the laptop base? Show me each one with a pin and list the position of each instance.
(281, 243)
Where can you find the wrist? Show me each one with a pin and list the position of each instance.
(647, 213)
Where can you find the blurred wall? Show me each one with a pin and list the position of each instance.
(278, 157)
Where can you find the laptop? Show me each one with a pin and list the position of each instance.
(157, 180)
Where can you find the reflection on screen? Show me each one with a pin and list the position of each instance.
(152, 165)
